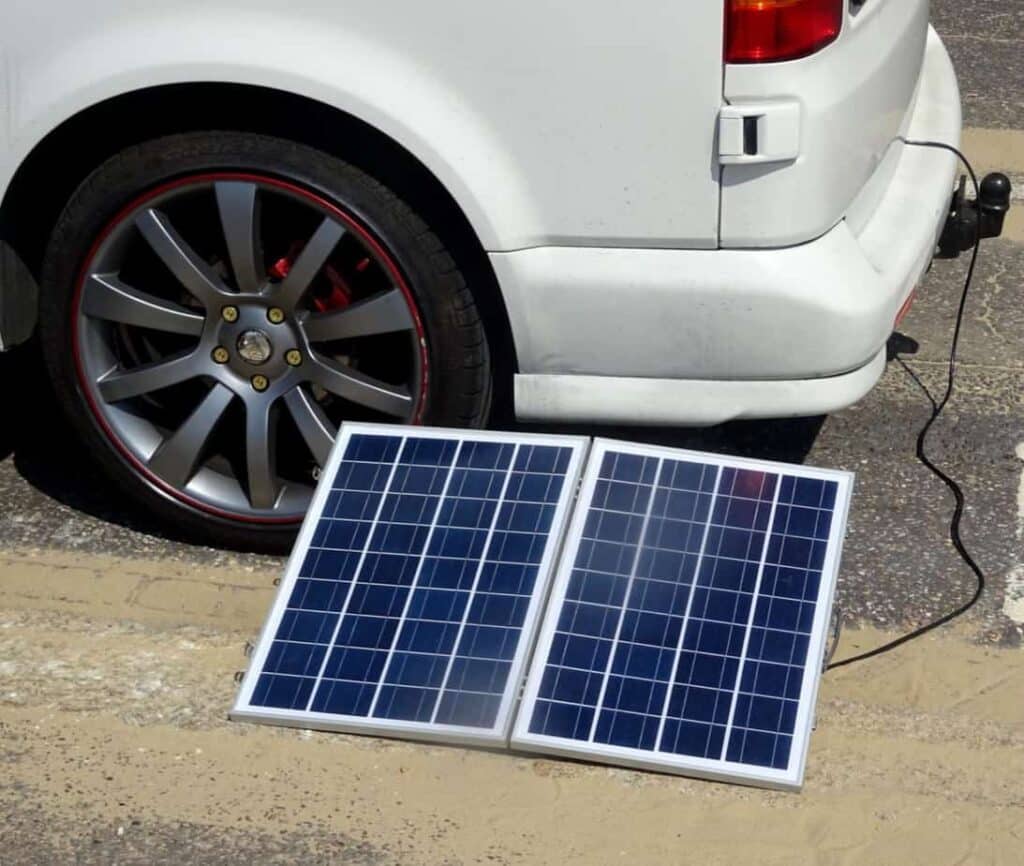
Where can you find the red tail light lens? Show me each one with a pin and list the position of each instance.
(761, 31)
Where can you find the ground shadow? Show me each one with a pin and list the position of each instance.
(48, 455)
(18, 399)
(787, 440)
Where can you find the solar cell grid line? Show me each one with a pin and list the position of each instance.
(750, 623)
(696, 722)
(717, 664)
(480, 678)
(398, 541)
(591, 616)
(473, 590)
(642, 684)
(415, 580)
(687, 611)
(412, 596)
(359, 565)
(648, 508)
(768, 694)
(415, 687)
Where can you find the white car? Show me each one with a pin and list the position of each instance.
(233, 226)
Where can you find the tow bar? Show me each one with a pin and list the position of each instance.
(970, 221)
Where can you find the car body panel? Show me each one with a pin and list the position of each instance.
(745, 318)
(548, 123)
(691, 402)
(854, 99)
(581, 146)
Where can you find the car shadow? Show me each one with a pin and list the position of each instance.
(786, 440)
(15, 397)
(47, 454)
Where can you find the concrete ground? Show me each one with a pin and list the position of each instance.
(118, 646)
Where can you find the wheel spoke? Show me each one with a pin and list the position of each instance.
(349, 383)
(384, 313)
(124, 384)
(167, 299)
(106, 297)
(176, 459)
(239, 220)
(191, 271)
(312, 258)
(261, 452)
(313, 424)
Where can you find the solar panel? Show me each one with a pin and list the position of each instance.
(411, 600)
(687, 622)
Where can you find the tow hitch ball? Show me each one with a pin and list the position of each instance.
(970, 220)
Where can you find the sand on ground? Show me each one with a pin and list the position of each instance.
(116, 677)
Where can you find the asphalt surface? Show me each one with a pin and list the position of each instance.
(899, 569)
(983, 38)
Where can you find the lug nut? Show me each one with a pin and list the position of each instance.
(229, 314)
(275, 315)
(260, 383)
(220, 355)
(293, 357)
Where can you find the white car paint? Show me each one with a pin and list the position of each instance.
(855, 97)
(764, 333)
(548, 123)
(582, 145)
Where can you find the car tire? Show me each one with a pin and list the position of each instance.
(138, 277)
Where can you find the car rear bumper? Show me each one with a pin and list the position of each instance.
(761, 325)
(693, 402)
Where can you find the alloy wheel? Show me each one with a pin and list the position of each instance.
(226, 324)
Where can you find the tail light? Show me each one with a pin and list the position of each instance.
(762, 31)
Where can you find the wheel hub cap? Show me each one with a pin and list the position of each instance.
(255, 347)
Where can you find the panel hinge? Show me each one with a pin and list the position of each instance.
(759, 132)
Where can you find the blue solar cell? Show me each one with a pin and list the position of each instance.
(467, 709)
(283, 692)
(360, 477)
(414, 598)
(297, 659)
(371, 449)
(682, 633)
(342, 697)
(685, 618)
(565, 720)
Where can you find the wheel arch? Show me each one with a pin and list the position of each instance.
(47, 177)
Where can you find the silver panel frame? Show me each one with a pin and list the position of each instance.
(496, 736)
(789, 779)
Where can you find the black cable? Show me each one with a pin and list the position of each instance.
(922, 441)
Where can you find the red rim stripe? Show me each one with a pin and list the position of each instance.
(350, 223)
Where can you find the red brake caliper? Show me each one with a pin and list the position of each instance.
(337, 297)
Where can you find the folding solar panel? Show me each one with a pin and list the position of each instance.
(687, 623)
(411, 600)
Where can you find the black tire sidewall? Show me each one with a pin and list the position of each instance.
(458, 383)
